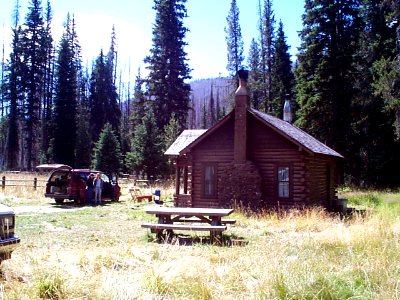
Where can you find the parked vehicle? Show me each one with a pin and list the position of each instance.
(66, 183)
(8, 242)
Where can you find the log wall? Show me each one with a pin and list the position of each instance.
(310, 183)
(269, 151)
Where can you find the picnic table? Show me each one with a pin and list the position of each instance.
(188, 218)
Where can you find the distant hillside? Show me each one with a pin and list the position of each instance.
(220, 89)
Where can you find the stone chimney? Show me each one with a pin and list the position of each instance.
(242, 101)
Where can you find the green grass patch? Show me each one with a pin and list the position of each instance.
(370, 200)
(50, 286)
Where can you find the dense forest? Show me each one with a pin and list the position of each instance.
(344, 88)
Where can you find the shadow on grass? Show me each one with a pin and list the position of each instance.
(191, 240)
(72, 205)
(352, 213)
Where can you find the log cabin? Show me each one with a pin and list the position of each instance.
(255, 160)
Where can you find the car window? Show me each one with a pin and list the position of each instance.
(105, 178)
(56, 176)
(83, 175)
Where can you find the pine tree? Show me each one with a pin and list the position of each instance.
(113, 110)
(147, 146)
(370, 161)
(83, 148)
(255, 83)
(103, 99)
(212, 119)
(167, 63)
(14, 93)
(107, 152)
(83, 145)
(220, 110)
(267, 36)
(192, 113)
(66, 100)
(203, 121)
(282, 77)
(97, 97)
(34, 55)
(324, 75)
(387, 70)
(48, 84)
(172, 131)
(139, 105)
(234, 42)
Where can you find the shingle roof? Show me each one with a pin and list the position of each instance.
(291, 132)
(295, 134)
(184, 140)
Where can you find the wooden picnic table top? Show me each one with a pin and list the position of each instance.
(188, 211)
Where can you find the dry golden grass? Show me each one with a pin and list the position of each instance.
(103, 253)
(23, 185)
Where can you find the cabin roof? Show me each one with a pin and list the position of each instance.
(189, 138)
(295, 134)
(184, 140)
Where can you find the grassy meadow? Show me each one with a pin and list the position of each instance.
(70, 252)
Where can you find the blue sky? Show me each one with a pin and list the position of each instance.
(134, 21)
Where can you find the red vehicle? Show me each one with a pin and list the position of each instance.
(66, 183)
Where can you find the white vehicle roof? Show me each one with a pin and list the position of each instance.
(6, 210)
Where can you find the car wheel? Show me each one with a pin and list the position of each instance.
(59, 201)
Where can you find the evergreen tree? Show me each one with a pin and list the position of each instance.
(234, 42)
(192, 113)
(282, 77)
(372, 142)
(211, 108)
(98, 97)
(138, 103)
(387, 85)
(112, 56)
(324, 75)
(146, 156)
(203, 121)
(255, 82)
(126, 102)
(48, 84)
(107, 152)
(34, 56)
(167, 64)
(113, 111)
(83, 148)
(220, 110)
(66, 100)
(103, 99)
(387, 70)
(267, 36)
(14, 93)
(172, 131)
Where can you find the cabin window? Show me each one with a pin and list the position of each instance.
(283, 182)
(209, 175)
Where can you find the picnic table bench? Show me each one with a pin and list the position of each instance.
(188, 218)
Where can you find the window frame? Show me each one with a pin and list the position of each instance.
(289, 182)
(213, 180)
